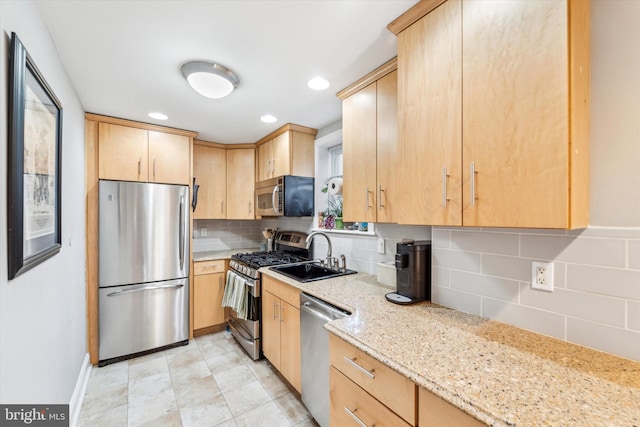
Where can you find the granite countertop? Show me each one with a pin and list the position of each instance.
(215, 255)
(498, 373)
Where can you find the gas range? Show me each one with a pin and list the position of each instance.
(249, 263)
(290, 247)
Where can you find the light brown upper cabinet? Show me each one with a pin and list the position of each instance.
(169, 158)
(210, 173)
(493, 108)
(369, 146)
(287, 151)
(135, 154)
(241, 164)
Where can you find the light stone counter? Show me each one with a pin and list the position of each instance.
(498, 373)
(216, 255)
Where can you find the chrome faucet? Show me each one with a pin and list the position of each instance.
(310, 237)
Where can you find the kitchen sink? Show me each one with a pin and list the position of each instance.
(310, 272)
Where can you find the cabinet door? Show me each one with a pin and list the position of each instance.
(271, 328)
(265, 160)
(433, 411)
(169, 158)
(359, 150)
(290, 344)
(207, 300)
(281, 155)
(515, 106)
(210, 172)
(430, 118)
(240, 179)
(387, 147)
(122, 153)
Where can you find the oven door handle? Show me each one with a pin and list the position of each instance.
(239, 330)
(274, 200)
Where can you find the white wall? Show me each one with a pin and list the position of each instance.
(43, 312)
(597, 271)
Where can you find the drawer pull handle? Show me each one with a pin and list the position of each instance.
(364, 371)
(354, 416)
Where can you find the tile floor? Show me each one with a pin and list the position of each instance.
(210, 382)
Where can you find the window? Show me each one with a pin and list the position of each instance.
(335, 160)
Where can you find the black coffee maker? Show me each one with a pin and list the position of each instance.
(413, 272)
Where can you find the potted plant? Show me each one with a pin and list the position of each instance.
(332, 215)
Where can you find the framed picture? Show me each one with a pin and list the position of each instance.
(33, 190)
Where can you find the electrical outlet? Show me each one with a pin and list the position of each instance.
(380, 245)
(542, 276)
(203, 232)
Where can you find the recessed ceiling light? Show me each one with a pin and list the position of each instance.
(318, 83)
(268, 118)
(158, 116)
(210, 79)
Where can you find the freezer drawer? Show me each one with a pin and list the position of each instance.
(142, 317)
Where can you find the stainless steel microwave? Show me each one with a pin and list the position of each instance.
(285, 196)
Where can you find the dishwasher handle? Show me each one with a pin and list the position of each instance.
(307, 306)
(320, 308)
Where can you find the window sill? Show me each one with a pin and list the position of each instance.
(369, 233)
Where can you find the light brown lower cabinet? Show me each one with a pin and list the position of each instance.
(281, 328)
(352, 406)
(434, 411)
(365, 391)
(208, 280)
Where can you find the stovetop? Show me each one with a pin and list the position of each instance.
(265, 259)
(290, 248)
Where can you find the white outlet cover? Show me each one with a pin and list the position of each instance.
(380, 245)
(547, 276)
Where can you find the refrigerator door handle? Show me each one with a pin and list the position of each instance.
(182, 233)
(147, 288)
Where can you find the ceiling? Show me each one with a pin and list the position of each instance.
(123, 58)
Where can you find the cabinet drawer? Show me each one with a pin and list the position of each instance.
(388, 386)
(283, 291)
(209, 267)
(348, 402)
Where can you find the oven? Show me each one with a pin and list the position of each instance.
(290, 247)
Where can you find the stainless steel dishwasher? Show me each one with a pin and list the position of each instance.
(314, 343)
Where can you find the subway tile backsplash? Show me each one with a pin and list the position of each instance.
(596, 301)
(487, 272)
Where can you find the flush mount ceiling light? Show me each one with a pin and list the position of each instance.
(268, 118)
(209, 79)
(318, 83)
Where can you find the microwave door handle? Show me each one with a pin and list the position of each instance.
(274, 200)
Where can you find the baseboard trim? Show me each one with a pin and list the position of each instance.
(78, 393)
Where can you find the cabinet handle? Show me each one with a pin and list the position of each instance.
(366, 201)
(222, 206)
(363, 370)
(154, 169)
(445, 175)
(274, 310)
(380, 191)
(355, 417)
(249, 207)
(473, 184)
(139, 166)
(281, 313)
(268, 167)
(273, 168)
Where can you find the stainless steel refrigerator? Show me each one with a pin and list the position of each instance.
(144, 268)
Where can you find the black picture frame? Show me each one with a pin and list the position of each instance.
(33, 173)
